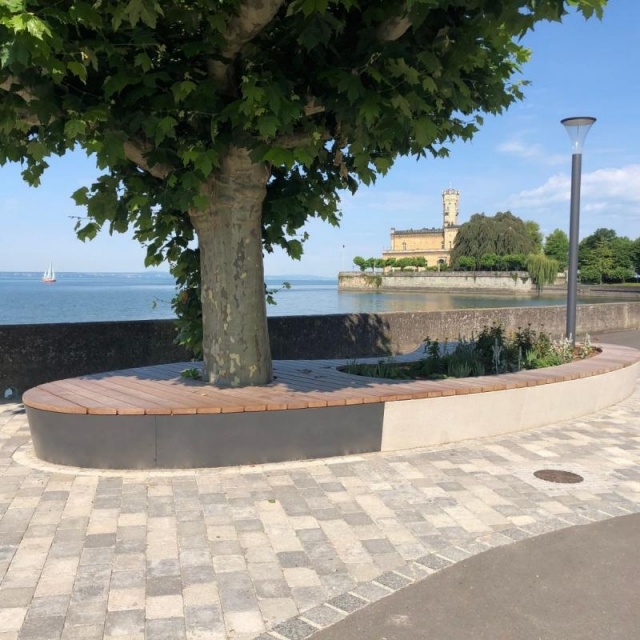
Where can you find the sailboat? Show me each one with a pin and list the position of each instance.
(49, 275)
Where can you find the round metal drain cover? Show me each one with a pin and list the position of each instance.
(556, 475)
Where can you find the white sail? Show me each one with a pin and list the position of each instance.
(49, 275)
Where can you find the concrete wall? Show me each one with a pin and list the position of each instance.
(508, 282)
(34, 354)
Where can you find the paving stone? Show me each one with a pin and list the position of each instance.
(347, 602)
(231, 552)
(124, 623)
(289, 559)
(169, 585)
(295, 629)
(392, 580)
(165, 629)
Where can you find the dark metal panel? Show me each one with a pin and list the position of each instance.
(268, 436)
(102, 442)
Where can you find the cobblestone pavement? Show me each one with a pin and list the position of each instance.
(281, 550)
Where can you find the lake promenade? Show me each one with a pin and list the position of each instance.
(288, 550)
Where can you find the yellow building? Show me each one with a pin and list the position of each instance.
(433, 244)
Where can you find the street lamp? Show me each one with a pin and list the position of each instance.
(577, 128)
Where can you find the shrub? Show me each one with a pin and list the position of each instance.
(491, 352)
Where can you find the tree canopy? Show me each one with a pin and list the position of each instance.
(501, 235)
(604, 256)
(556, 246)
(235, 121)
(533, 229)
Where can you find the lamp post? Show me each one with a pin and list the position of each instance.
(577, 128)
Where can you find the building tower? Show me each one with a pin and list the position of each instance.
(450, 200)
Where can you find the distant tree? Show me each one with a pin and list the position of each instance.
(466, 263)
(610, 255)
(488, 262)
(598, 259)
(598, 237)
(503, 234)
(590, 275)
(515, 262)
(618, 274)
(360, 262)
(542, 269)
(533, 229)
(623, 252)
(636, 255)
(556, 246)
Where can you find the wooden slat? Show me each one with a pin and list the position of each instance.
(160, 390)
(42, 399)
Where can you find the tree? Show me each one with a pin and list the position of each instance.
(533, 229)
(542, 269)
(556, 246)
(360, 262)
(235, 121)
(466, 263)
(598, 258)
(503, 234)
(611, 256)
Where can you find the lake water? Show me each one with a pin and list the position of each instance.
(94, 297)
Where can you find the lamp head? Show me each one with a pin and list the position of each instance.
(577, 128)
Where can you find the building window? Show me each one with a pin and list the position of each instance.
(404, 246)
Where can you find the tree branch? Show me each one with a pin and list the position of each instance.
(394, 28)
(293, 140)
(136, 152)
(25, 94)
(252, 17)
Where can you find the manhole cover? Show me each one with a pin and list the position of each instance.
(556, 475)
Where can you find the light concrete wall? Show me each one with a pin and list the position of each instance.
(432, 421)
(516, 282)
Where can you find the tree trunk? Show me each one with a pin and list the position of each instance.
(234, 317)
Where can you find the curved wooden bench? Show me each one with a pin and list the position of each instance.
(152, 417)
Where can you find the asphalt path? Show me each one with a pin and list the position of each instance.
(580, 583)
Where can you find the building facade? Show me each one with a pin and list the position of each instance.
(433, 244)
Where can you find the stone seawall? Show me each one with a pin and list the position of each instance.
(33, 354)
(494, 281)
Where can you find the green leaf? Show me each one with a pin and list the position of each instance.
(14, 6)
(279, 156)
(402, 105)
(200, 203)
(80, 196)
(181, 90)
(268, 126)
(143, 61)
(36, 150)
(74, 128)
(78, 69)
(165, 129)
(425, 131)
(88, 232)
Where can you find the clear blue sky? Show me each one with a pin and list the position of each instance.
(519, 161)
